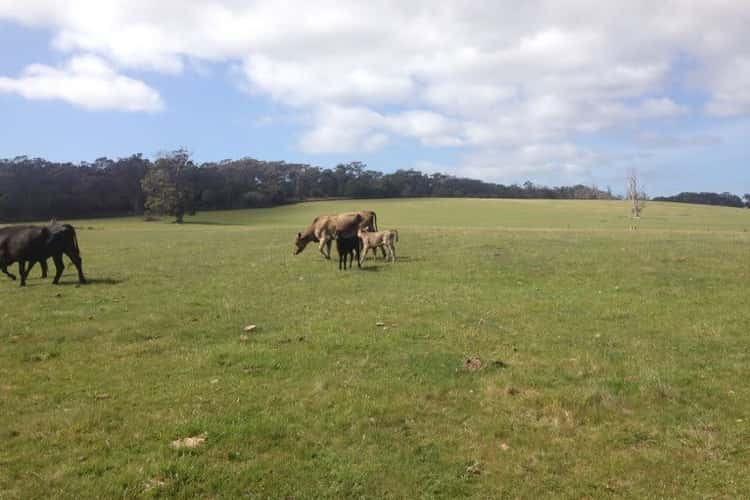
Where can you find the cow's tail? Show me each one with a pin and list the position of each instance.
(396, 232)
(74, 237)
(375, 221)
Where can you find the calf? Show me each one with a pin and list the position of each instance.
(347, 247)
(380, 239)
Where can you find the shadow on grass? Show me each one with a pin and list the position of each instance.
(211, 223)
(404, 258)
(93, 281)
(371, 268)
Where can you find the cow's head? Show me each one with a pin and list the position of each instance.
(299, 244)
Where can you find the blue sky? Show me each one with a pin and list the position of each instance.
(482, 89)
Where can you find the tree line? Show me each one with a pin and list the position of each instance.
(723, 199)
(36, 189)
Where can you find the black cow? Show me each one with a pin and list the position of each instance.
(31, 244)
(4, 233)
(347, 247)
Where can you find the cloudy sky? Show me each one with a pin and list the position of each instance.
(549, 91)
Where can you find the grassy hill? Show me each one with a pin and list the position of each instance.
(609, 361)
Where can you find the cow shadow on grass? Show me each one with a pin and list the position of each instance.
(372, 268)
(407, 258)
(211, 223)
(399, 260)
(93, 281)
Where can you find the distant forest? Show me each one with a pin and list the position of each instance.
(724, 199)
(34, 188)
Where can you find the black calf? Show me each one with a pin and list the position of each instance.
(347, 247)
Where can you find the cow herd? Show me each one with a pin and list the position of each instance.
(28, 245)
(355, 233)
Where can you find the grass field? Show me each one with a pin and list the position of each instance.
(615, 363)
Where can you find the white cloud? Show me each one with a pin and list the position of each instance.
(732, 90)
(490, 76)
(656, 140)
(85, 81)
(543, 162)
(342, 130)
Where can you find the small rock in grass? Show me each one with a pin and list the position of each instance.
(154, 484)
(512, 391)
(189, 442)
(475, 468)
(250, 328)
(504, 446)
(379, 323)
(215, 381)
(473, 364)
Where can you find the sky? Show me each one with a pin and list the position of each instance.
(556, 92)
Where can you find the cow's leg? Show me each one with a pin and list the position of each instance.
(75, 257)
(43, 263)
(57, 259)
(5, 271)
(365, 248)
(393, 251)
(321, 249)
(325, 245)
(22, 271)
(382, 249)
(359, 255)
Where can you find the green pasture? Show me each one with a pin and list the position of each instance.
(612, 361)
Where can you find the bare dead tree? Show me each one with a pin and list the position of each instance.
(635, 195)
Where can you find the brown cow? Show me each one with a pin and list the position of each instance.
(369, 219)
(326, 228)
